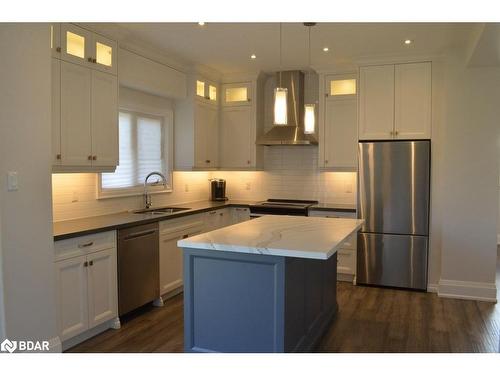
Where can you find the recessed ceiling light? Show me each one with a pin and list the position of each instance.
(408, 41)
(325, 49)
(201, 23)
(253, 56)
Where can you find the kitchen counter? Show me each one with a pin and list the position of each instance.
(263, 285)
(78, 227)
(289, 236)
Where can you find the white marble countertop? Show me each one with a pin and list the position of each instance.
(289, 236)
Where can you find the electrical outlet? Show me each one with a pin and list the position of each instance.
(186, 188)
(248, 186)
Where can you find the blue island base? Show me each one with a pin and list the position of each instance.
(254, 303)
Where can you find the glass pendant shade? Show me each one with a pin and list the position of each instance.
(280, 106)
(309, 119)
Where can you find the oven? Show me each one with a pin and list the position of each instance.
(281, 207)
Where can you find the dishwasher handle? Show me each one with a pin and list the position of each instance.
(139, 234)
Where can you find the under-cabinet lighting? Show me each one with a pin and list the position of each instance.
(325, 49)
(408, 41)
(201, 23)
(253, 56)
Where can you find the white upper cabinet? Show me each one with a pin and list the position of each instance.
(206, 136)
(237, 148)
(56, 111)
(76, 149)
(237, 94)
(76, 44)
(79, 46)
(339, 139)
(104, 54)
(55, 40)
(412, 116)
(104, 121)
(395, 101)
(376, 102)
(84, 101)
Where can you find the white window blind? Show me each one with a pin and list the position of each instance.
(142, 150)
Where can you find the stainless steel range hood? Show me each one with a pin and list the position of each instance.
(293, 133)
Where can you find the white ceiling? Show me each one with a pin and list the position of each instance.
(226, 47)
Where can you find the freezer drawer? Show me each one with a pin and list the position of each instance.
(392, 260)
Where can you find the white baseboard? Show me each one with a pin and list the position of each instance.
(467, 290)
(110, 324)
(55, 345)
(432, 288)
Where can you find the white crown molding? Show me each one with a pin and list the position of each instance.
(467, 290)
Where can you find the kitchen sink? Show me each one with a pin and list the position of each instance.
(161, 211)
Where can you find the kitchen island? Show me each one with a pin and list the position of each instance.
(264, 285)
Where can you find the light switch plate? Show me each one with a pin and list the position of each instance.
(12, 182)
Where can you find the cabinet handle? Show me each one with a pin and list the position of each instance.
(326, 161)
(94, 61)
(91, 263)
(248, 161)
(94, 157)
(249, 100)
(185, 236)
(391, 132)
(89, 59)
(58, 156)
(326, 95)
(89, 157)
(58, 49)
(207, 161)
(396, 132)
(81, 246)
(85, 264)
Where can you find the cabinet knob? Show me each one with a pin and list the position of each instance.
(58, 49)
(94, 61)
(58, 156)
(89, 59)
(185, 236)
(396, 132)
(207, 161)
(248, 161)
(91, 263)
(326, 95)
(89, 157)
(249, 100)
(391, 132)
(94, 157)
(326, 161)
(85, 264)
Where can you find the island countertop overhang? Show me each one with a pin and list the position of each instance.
(288, 236)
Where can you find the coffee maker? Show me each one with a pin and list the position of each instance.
(218, 189)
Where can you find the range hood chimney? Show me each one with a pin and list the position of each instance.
(293, 132)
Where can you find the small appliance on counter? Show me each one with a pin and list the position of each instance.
(218, 189)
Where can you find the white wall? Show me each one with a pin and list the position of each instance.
(26, 216)
(469, 189)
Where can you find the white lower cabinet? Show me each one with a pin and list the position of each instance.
(240, 214)
(346, 256)
(217, 219)
(170, 255)
(86, 280)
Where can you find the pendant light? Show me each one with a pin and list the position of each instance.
(309, 109)
(280, 98)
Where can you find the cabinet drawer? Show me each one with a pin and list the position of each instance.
(192, 223)
(82, 245)
(346, 261)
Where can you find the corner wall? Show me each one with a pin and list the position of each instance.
(469, 189)
(26, 214)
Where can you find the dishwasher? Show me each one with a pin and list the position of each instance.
(138, 266)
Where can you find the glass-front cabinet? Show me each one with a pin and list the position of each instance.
(79, 46)
(237, 94)
(206, 90)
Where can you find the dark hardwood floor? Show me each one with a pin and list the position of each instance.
(369, 320)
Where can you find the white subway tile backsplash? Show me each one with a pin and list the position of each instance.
(289, 172)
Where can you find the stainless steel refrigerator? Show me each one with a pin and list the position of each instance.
(393, 199)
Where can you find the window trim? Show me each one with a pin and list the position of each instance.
(168, 152)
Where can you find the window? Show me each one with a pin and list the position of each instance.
(144, 147)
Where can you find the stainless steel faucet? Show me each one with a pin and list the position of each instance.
(147, 197)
